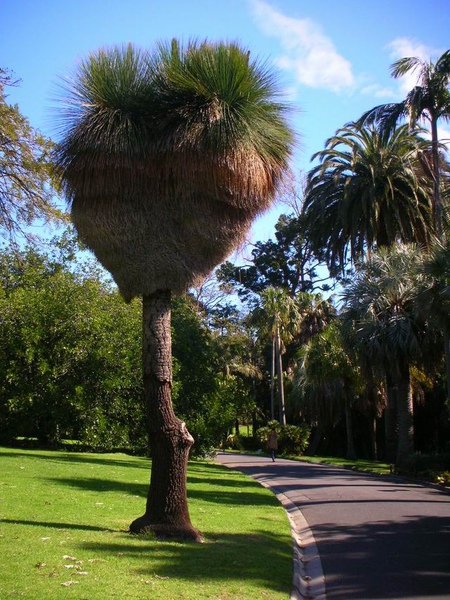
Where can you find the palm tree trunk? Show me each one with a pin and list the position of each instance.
(437, 204)
(282, 415)
(405, 418)
(351, 454)
(390, 421)
(166, 512)
(272, 381)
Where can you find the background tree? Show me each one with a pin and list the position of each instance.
(166, 160)
(367, 191)
(384, 324)
(27, 193)
(278, 317)
(287, 262)
(69, 353)
(329, 382)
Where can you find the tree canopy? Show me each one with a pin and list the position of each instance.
(27, 179)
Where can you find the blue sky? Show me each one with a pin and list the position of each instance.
(333, 57)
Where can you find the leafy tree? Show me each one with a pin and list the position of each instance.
(198, 393)
(288, 263)
(26, 176)
(367, 191)
(166, 159)
(428, 100)
(68, 355)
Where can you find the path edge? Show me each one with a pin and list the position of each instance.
(308, 580)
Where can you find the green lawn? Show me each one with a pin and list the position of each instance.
(367, 466)
(63, 532)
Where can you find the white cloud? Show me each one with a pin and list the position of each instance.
(307, 51)
(405, 47)
(377, 91)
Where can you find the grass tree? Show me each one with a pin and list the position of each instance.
(166, 158)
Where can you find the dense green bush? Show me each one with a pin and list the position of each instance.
(430, 467)
(71, 358)
(292, 439)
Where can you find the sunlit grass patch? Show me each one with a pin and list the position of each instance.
(63, 532)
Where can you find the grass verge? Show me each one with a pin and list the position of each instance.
(63, 532)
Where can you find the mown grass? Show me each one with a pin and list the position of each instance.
(63, 532)
(367, 466)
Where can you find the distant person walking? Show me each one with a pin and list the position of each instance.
(272, 444)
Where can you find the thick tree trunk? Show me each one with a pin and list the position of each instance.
(166, 512)
(282, 415)
(405, 419)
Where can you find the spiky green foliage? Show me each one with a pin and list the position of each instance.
(167, 157)
(382, 315)
(367, 191)
(429, 100)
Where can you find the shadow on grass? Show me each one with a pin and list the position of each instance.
(251, 496)
(222, 557)
(59, 526)
(135, 462)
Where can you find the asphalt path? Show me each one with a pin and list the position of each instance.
(358, 535)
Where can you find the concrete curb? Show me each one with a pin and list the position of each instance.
(308, 580)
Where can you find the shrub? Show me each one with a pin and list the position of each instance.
(292, 439)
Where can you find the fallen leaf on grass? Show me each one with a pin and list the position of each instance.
(92, 560)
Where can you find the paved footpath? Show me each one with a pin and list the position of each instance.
(356, 535)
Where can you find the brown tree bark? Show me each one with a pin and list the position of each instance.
(166, 513)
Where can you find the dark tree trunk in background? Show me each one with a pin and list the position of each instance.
(351, 453)
(166, 512)
(390, 422)
(405, 418)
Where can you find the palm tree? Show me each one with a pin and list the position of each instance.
(435, 298)
(367, 191)
(384, 325)
(329, 380)
(429, 100)
(279, 316)
(166, 158)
